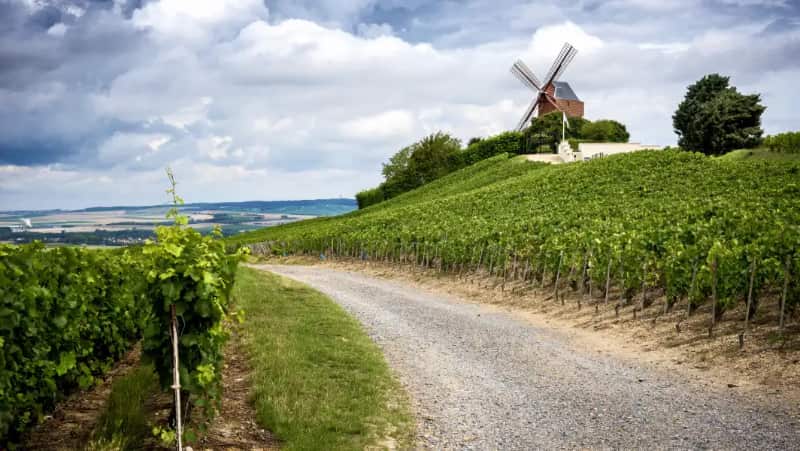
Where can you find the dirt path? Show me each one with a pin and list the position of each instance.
(486, 379)
(235, 426)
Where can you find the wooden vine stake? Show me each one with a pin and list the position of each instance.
(608, 280)
(176, 378)
(691, 291)
(786, 268)
(544, 268)
(749, 303)
(558, 276)
(714, 268)
(644, 288)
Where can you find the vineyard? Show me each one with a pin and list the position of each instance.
(68, 314)
(633, 228)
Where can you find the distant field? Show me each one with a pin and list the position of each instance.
(128, 225)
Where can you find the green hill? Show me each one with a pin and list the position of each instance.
(678, 221)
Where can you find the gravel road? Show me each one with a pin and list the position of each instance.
(483, 379)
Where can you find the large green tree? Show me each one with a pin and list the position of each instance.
(427, 159)
(434, 156)
(714, 118)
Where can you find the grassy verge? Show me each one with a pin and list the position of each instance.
(124, 424)
(319, 382)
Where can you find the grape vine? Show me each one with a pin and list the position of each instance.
(680, 222)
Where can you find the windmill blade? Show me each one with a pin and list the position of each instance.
(563, 67)
(557, 62)
(520, 69)
(528, 113)
(525, 80)
(560, 64)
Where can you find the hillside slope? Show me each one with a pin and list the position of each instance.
(688, 224)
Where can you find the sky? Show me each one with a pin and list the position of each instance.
(300, 99)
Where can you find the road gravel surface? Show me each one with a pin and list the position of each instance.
(485, 379)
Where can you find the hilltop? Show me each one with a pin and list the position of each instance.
(655, 223)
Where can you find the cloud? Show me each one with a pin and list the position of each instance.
(305, 99)
(389, 124)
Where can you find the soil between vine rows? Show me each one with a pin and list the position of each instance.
(482, 378)
(71, 425)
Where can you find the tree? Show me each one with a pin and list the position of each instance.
(397, 164)
(413, 166)
(714, 118)
(604, 130)
(433, 156)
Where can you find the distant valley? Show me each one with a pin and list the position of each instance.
(125, 225)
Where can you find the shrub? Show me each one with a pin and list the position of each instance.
(370, 197)
(507, 142)
(604, 130)
(788, 142)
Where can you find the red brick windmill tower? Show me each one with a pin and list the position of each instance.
(552, 95)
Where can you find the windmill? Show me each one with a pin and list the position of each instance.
(552, 95)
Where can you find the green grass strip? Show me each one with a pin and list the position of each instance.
(319, 381)
(124, 424)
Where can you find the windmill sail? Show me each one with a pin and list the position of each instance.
(546, 92)
(528, 114)
(560, 64)
(526, 73)
(521, 76)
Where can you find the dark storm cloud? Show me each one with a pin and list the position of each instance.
(35, 150)
(45, 77)
(41, 138)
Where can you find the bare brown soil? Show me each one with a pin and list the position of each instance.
(767, 367)
(235, 427)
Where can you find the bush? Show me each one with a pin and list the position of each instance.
(604, 130)
(370, 197)
(788, 142)
(507, 142)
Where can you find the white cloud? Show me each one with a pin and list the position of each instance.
(194, 20)
(380, 126)
(549, 40)
(245, 106)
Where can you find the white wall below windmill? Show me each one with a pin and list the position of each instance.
(588, 151)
